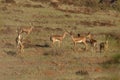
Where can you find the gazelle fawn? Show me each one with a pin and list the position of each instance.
(57, 38)
(103, 46)
(27, 30)
(19, 42)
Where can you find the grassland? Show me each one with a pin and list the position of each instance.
(40, 61)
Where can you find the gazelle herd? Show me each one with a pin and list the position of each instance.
(88, 39)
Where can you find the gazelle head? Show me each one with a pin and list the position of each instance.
(69, 32)
(65, 32)
(18, 31)
(31, 24)
(89, 36)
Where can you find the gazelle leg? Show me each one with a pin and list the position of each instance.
(95, 46)
(53, 43)
(59, 43)
(100, 49)
(85, 45)
(74, 48)
(74, 45)
(21, 47)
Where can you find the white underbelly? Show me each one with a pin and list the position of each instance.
(57, 40)
(79, 41)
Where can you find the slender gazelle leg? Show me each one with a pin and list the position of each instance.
(85, 45)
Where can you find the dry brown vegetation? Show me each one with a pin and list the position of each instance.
(41, 61)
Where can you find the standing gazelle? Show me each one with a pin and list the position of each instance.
(80, 39)
(27, 30)
(103, 46)
(57, 38)
(19, 42)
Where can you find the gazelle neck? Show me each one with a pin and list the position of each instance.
(31, 27)
(64, 35)
(72, 37)
(19, 36)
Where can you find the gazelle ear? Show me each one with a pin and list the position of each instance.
(78, 34)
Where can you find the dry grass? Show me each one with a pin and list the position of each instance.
(41, 61)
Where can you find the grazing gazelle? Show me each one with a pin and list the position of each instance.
(103, 46)
(80, 39)
(19, 42)
(91, 40)
(27, 30)
(57, 38)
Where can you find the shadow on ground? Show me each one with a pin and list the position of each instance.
(36, 46)
(11, 53)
